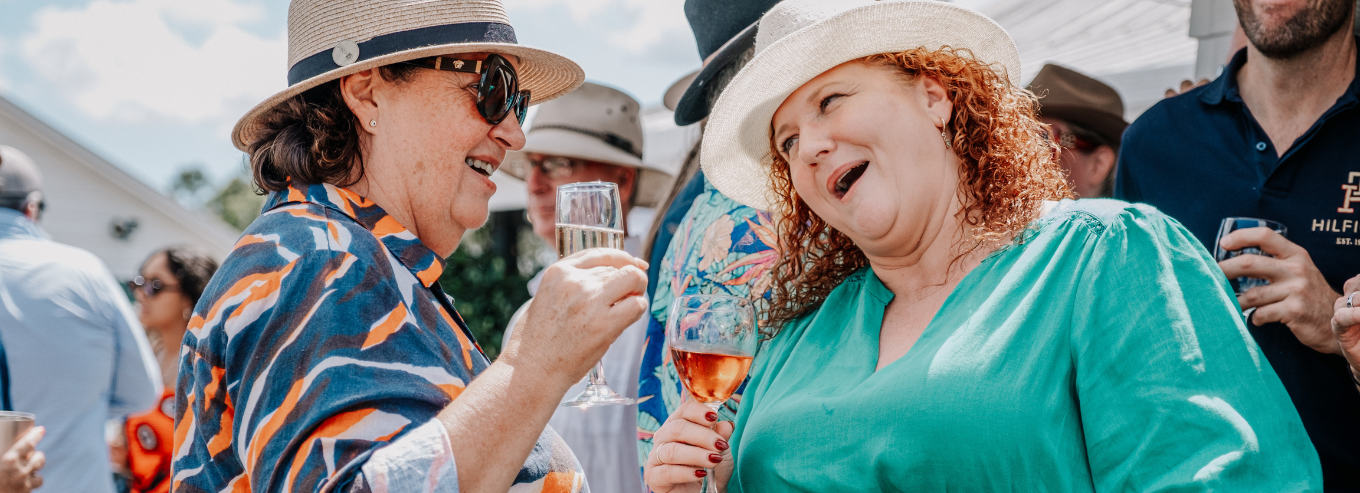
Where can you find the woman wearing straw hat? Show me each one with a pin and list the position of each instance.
(323, 356)
(945, 320)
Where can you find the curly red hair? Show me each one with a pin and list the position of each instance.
(1009, 168)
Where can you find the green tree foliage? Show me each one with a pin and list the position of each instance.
(189, 185)
(486, 277)
(236, 202)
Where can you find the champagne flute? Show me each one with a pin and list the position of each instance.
(712, 340)
(590, 215)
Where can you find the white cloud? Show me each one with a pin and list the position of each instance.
(129, 61)
(653, 21)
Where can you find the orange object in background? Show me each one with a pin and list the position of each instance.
(150, 436)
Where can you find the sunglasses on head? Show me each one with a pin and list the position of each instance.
(148, 287)
(498, 93)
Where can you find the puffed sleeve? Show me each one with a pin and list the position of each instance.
(1174, 393)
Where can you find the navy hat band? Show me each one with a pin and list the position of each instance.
(387, 44)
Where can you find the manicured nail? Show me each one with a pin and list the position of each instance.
(714, 458)
(721, 444)
(700, 473)
(711, 416)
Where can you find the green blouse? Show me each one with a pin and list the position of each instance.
(1103, 353)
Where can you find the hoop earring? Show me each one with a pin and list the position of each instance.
(372, 123)
(942, 135)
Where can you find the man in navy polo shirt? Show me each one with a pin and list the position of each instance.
(1277, 136)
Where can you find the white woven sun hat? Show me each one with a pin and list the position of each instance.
(798, 40)
(329, 39)
(593, 123)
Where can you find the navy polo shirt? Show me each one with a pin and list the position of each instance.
(1201, 157)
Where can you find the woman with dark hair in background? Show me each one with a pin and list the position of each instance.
(168, 287)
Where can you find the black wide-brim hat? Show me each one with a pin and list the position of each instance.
(723, 29)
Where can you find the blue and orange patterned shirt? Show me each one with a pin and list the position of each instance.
(319, 356)
(719, 247)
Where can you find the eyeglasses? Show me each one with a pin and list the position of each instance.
(554, 167)
(148, 287)
(498, 92)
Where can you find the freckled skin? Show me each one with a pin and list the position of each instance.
(911, 180)
(415, 165)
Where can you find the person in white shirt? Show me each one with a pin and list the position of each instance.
(594, 134)
(77, 356)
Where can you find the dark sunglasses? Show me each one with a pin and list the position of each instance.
(498, 93)
(1070, 140)
(148, 287)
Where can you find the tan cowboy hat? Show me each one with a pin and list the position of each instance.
(593, 123)
(798, 40)
(1070, 95)
(329, 39)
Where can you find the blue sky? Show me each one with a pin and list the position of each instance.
(155, 85)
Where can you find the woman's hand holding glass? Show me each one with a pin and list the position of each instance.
(1346, 324)
(585, 302)
(691, 440)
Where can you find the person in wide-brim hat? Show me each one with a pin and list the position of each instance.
(324, 354)
(942, 319)
(1086, 119)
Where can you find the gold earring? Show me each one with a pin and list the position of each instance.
(942, 135)
(372, 123)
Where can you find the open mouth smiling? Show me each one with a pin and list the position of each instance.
(847, 179)
(483, 167)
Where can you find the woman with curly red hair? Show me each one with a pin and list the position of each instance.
(944, 317)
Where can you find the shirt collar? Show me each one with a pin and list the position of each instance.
(15, 224)
(1225, 87)
(413, 254)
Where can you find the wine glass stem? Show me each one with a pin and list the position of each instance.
(711, 478)
(597, 375)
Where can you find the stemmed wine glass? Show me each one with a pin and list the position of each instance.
(590, 215)
(712, 339)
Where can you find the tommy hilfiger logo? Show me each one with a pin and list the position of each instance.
(1352, 193)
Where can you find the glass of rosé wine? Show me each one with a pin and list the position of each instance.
(712, 340)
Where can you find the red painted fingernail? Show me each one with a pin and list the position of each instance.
(711, 416)
(721, 444)
(700, 473)
(714, 458)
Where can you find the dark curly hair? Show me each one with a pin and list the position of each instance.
(312, 137)
(1009, 168)
(192, 268)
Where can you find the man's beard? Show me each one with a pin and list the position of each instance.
(1308, 28)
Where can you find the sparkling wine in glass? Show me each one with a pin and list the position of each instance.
(590, 215)
(712, 339)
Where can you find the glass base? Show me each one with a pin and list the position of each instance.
(597, 395)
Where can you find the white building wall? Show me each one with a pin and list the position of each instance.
(86, 195)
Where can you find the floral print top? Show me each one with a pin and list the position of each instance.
(720, 247)
(319, 356)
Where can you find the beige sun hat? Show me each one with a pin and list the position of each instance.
(798, 40)
(329, 39)
(594, 123)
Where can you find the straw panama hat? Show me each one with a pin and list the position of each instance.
(594, 123)
(329, 39)
(798, 40)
